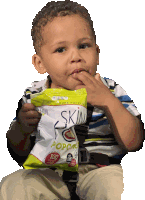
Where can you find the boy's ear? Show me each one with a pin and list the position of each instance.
(37, 62)
(98, 51)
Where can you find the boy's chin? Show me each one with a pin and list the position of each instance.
(72, 86)
(79, 86)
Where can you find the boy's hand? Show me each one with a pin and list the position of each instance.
(28, 118)
(98, 94)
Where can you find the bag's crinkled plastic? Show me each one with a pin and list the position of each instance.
(56, 142)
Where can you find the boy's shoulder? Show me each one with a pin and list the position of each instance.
(110, 82)
(37, 86)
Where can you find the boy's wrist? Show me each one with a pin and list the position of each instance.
(25, 133)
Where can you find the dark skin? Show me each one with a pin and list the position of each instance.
(28, 118)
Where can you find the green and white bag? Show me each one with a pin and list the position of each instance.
(56, 142)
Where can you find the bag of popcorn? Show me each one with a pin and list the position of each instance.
(56, 143)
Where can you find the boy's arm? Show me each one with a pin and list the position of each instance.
(18, 142)
(128, 129)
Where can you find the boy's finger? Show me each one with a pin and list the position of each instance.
(28, 106)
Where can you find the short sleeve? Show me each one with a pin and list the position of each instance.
(121, 94)
(128, 103)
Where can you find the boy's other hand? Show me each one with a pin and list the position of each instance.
(98, 94)
(28, 118)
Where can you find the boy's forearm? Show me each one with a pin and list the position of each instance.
(19, 142)
(127, 128)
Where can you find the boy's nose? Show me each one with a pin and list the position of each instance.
(76, 57)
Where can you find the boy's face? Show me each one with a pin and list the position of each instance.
(65, 50)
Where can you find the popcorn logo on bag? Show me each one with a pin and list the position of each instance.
(56, 141)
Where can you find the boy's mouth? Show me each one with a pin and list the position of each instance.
(78, 70)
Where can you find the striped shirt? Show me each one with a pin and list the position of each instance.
(100, 138)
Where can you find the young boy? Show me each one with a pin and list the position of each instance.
(65, 45)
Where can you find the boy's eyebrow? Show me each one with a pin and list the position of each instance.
(81, 39)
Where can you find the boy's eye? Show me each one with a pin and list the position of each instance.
(84, 45)
(59, 49)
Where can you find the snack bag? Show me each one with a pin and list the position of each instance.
(56, 143)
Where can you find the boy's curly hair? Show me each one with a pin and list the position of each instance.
(49, 12)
